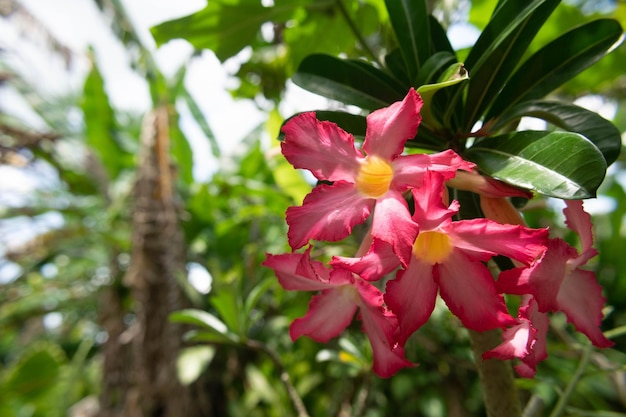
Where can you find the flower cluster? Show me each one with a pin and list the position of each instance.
(431, 251)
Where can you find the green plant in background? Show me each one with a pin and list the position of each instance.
(237, 358)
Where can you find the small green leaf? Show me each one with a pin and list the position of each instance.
(559, 61)
(410, 23)
(192, 361)
(37, 371)
(228, 305)
(434, 67)
(205, 320)
(223, 26)
(571, 118)
(453, 75)
(438, 36)
(349, 81)
(100, 125)
(558, 164)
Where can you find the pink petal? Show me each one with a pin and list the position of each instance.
(469, 291)
(580, 222)
(543, 279)
(285, 268)
(486, 186)
(329, 314)
(411, 296)
(580, 298)
(483, 238)
(389, 128)
(321, 147)
(517, 342)
(410, 169)
(377, 262)
(430, 211)
(380, 325)
(392, 223)
(328, 213)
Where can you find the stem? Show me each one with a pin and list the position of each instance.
(582, 366)
(357, 34)
(496, 376)
(284, 376)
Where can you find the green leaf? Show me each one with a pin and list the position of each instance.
(410, 23)
(438, 36)
(181, 151)
(223, 26)
(208, 321)
(228, 304)
(453, 75)
(559, 164)
(201, 120)
(396, 65)
(559, 61)
(510, 33)
(37, 371)
(192, 361)
(100, 125)
(349, 81)
(571, 118)
(434, 67)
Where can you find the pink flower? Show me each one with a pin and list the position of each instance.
(447, 257)
(361, 181)
(525, 341)
(557, 281)
(331, 311)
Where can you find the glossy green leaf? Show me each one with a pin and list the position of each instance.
(223, 26)
(228, 304)
(455, 74)
(214, 326)
(558, 164)
(36, 372)
(506, 19)
(349, 81)
(494, 68)
(572, 118)
(434, 67)
(100, 125)
(558, 62)
(396, 65)
(192, 361)
(410, 23)
(439, 37)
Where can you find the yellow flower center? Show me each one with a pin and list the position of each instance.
(374, 177)
(432, 247)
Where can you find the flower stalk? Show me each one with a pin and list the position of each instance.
(496, 376)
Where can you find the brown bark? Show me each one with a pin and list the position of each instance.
(140, 360)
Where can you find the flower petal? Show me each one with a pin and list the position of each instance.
(411, 296)
(380, 325)
(580, 298)
(392, 223)
(486, 186)
(409, 170)
(378, 261)
(517, 342)
(390, 127)
(285, 266)
(329, 212)
(329, 314)
(485, 238)
(430, 211)
(579, 221)
(500, 210)
(321, 147)
(543, 279)
(469, 291)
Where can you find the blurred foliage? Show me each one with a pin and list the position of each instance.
(233, 219)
